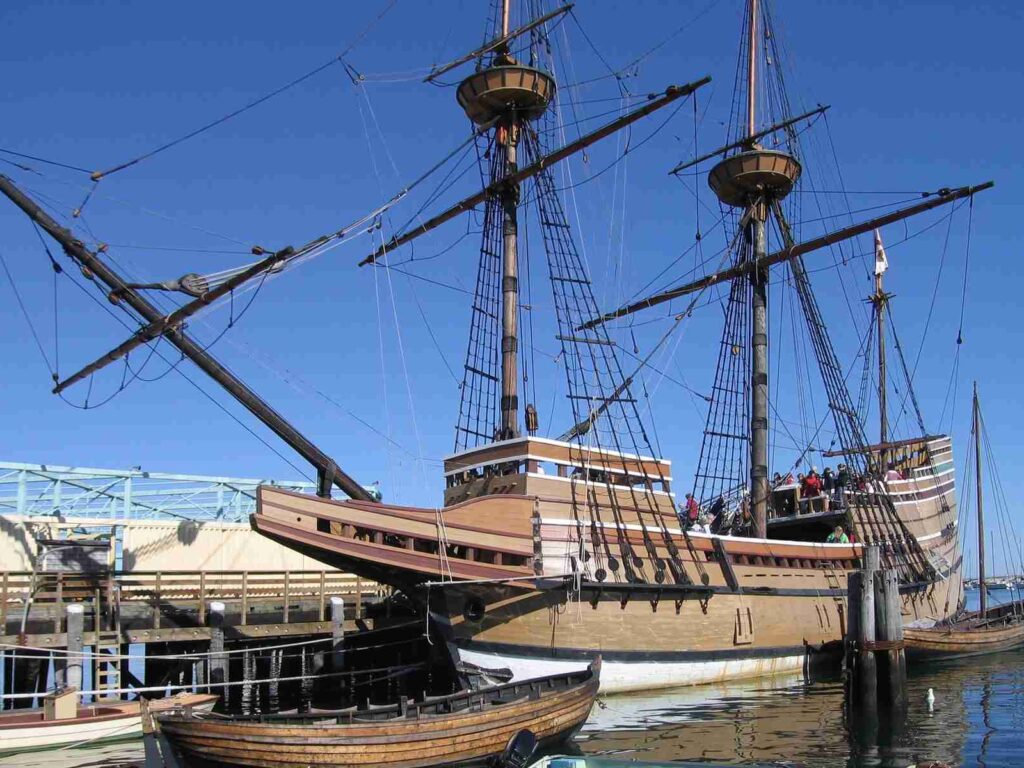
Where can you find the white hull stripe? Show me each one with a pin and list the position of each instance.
(624, 676)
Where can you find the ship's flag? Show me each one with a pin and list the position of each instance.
(881, 262)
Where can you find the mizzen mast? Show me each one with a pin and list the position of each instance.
(879, 299)
(753, 180)
(976, 416)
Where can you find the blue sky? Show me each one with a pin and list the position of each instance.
(921, 95)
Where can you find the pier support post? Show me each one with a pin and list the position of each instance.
(893, 669)
(867, 668)
(75, 645)
(218, 659)
(338, 634)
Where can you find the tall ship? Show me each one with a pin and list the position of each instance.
(548, 551)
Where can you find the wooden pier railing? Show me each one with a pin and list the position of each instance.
(164, 600)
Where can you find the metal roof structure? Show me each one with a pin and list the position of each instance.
(41, 490)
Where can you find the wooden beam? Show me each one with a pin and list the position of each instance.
(467, 204)
(497, 42)
(746, 140)
(942, 197)
(882, 446)
(327, 468)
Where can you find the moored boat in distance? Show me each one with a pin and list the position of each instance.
(987, 630)
(468, 727)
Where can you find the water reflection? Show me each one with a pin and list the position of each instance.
(976, 720)
(129, 754)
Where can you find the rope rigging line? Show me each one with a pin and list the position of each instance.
(625, 70)
(954, 377)
(42, 160)
(98, 175)
(105, 306)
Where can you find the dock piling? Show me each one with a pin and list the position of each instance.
(75, 645)
(866, 666)
(875, 658)
(338, 633)
(893, 669)
(218, 659)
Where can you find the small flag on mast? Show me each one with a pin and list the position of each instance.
(881, 262)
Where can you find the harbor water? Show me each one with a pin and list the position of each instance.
(977, 720)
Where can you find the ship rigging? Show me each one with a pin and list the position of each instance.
(531, 524)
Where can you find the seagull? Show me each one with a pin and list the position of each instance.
(930, 698)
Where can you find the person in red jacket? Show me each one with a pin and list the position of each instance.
(810, 488)
(691, 510)
(812, 484)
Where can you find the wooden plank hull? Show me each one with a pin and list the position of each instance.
(1001, 630)
(26, 730)
(565, 568)
(478, 727)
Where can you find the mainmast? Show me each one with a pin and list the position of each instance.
(983, 598)
(754, 180)
(752, 72)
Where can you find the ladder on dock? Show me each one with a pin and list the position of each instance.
(106, 660)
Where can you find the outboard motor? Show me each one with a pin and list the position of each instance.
(518, 751)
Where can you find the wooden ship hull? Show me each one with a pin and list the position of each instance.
(462, 729)
(1001, 629)
(524, 574)
(24, 730)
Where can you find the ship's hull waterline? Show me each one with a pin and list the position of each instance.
(523, 579)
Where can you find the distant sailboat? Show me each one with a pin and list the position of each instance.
(987, 630)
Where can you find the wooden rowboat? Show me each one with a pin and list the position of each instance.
(26, 730)
(464, 728)
(1000, 629)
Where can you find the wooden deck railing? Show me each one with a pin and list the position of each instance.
(156, 588)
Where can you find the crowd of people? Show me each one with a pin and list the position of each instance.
(812, 485)
(720, 517)
(811, 492)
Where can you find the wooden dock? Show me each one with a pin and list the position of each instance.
(171, 614)
(171, 606)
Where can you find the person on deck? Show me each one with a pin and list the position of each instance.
(701, 525)
(690, 510)
(838, 536)
(828, 481)
(745, 525)
(810, 488)
(892, 473)
(717, 512)
(842, 481)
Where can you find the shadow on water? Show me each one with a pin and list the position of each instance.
(977, 720)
